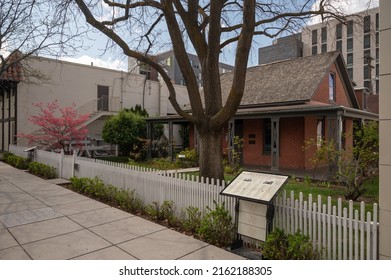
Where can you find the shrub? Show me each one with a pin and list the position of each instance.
(42, 170)
(110, 194)
(162, 213)
(281, 246)
(15, 161)
(187, 158)
(216, 227)
(191, 219)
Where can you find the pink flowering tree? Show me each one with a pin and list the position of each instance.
(59, 128)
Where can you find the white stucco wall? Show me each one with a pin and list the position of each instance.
(76, 83)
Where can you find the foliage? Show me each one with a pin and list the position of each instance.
(127, 130)
(232, 166)
(216, 227)
(282, 246)
(191, 219)
(356, 166)
(122, 198)
(162, 213)
(59, 128)
(42, 170)
(187, 158)
(15, 161)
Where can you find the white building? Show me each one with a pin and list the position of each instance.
(97, 91)
(358, 41)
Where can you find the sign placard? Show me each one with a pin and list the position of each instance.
(260, 187)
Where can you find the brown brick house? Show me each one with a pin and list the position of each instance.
(290, 102)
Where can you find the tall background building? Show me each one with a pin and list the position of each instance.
(358, 41)
(168, 61)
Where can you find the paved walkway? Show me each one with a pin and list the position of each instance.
(40, 220)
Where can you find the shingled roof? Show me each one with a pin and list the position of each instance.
(288, 81)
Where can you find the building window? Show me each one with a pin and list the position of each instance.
(368, 85)
(324, 48)
(339, 45)
(377, 55)
(338, 31)
(377, 86)
(267, 132)
(367, 41)
(314, 50)
(324, 35)
(377, 70)
(377, 39)
(349, 45)
(314, 37)
(103, 98)
(332, 95)
(377, 21)
(367, 71)
(367, 57)
(367, 24)
(350, 73)
(349, 29)
(349, 59)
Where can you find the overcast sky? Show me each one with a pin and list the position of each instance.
(95, 54)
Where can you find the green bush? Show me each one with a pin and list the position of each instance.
(42, 170)
(15, 161)
(162, 213)
(191, 219)
(112, 195)
(282, 246)
(216, 227)
(187, 158)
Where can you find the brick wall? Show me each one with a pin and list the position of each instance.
(322, 93)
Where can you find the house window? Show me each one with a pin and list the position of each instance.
(367, 24)
(332, 95)
(267, 132)
(338, 31)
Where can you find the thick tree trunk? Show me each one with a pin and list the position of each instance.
(210, 155)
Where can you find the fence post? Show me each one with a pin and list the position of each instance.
(60, 164)
(73, 163)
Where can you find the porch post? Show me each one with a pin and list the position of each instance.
(231, 135)
(195, 138)
(171, 140)
(275, 147)
(149, 138)
(339, 129)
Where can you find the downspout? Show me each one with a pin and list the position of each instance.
(145, 83)
(122, 91)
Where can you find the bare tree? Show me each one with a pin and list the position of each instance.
(208, 27)
(33, 27)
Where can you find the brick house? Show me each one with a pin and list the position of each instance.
(287, 103)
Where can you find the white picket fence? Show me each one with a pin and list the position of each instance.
(339, 233)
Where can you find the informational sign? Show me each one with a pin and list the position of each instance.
(260, 187)
(255, 193)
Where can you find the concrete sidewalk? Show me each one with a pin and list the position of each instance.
(40, 220)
